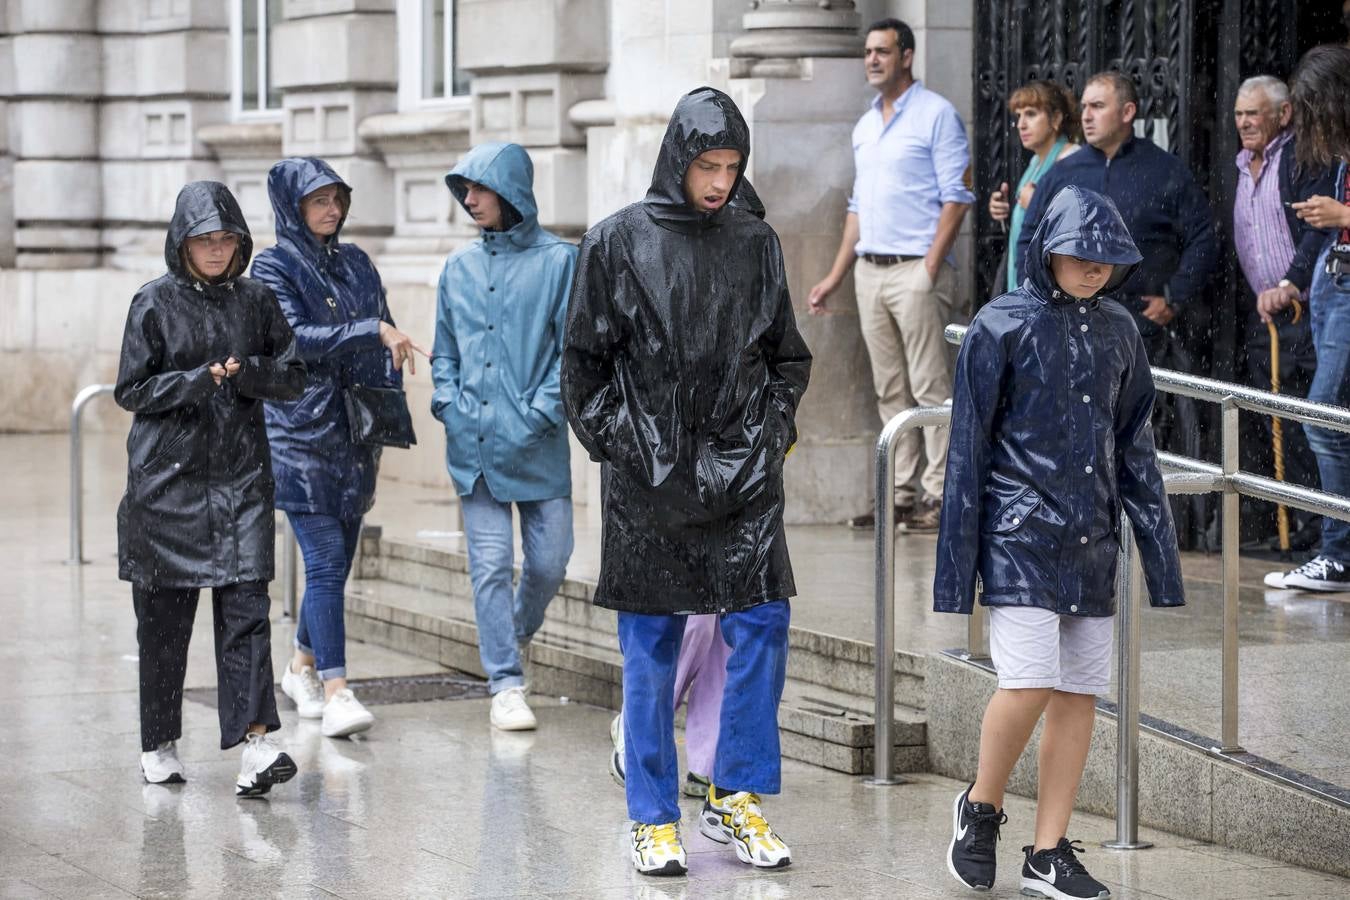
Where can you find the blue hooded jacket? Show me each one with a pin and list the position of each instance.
(334, 300)
(500, 311)
(1051, 437)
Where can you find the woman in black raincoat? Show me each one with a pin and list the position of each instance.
(333, 298)
(203, 347)
(682, 369)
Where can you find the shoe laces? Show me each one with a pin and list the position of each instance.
(658, 836)
(344, 695)
(984, 827)
(1317, 567)
(745, 811)
(1064, 857)
(165, 752)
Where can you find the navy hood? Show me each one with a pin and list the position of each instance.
(704, 119)
(508, 171)
(289, 182)
(1085, 224)
(203, 207)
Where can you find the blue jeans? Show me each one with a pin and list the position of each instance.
(748, 755)
(506, 618)
(328, 545)
(1329, 299)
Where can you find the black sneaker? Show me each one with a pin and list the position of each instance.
(971, 856)
(1320, 573)
(1057, 873)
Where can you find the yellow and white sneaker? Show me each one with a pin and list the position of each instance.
(735, 819)
(657, 849)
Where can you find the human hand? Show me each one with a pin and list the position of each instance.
(217, 372)
(232, 367)
(1322, 212)
(400, 347)
(1272, 300)
(932, 267)
(998, 204)
(820, 295)
(1158, 311)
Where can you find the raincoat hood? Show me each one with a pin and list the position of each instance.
(745, 198)
(508, 171)
(203, 207)
(1085, 224)
(704, 119)
(289, 182)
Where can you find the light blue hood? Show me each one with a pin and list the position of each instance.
(508, 171)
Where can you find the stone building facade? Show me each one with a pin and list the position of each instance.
(108, 106)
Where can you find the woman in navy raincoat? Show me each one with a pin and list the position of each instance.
(334, 300)
(203, 348)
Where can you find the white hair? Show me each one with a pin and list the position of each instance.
(1276, 90)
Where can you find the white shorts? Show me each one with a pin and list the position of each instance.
(1039, 648)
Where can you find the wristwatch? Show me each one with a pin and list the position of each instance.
(1286, 283)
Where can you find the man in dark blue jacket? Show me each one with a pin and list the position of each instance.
(1163, 208)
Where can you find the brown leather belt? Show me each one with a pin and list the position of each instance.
(880, 259)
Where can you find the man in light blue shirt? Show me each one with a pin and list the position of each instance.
(911, 158)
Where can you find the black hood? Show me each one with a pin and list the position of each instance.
(745, 198)
(203, 207)
(704, 119)
(1082, 223)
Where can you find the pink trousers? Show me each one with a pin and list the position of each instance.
(700, 678)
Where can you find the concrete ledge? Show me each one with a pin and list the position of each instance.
(1182, 789)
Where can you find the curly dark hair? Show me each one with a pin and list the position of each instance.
(1319, 90)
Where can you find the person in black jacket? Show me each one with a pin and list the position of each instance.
(1051, 441)
(203, 348)
(682, 370)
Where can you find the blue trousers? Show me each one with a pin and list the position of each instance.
(1329, 303)
(748, 756)
(328, 545)
(507, 618)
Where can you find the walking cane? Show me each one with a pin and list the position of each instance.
(1277, 429)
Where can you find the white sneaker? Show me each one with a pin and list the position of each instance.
(1275, 580)
(510, 712)
(264, 764)
(616, 758)
(657, 849)
(343, 714)
(305, 689)
(161, 765)
(736, 819)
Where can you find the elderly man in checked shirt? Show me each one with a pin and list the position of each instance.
(909, 195)
(1277, 251)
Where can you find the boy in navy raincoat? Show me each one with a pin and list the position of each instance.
(1050, 441)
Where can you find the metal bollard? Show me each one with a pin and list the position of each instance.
(77, 472)
(288, 569)
(1128, 578)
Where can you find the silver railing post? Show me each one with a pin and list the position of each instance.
(1127, 682)
(77, 472)
(977, 635)
(288, 567)
(1230, 537)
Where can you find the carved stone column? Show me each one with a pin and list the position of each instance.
(793, 29)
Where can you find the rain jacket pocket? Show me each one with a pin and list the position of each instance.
(1014, 513)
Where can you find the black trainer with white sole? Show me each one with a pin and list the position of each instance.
(971, 854)
(1057, 873)
(1321, 573)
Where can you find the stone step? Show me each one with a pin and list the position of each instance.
(419, 602)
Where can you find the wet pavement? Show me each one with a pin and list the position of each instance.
(433, 802)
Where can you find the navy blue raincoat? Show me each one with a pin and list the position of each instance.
(334, 300)
(1051, 437)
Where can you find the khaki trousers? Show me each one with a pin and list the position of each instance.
(902, 314)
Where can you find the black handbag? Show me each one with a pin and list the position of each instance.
(379, 416)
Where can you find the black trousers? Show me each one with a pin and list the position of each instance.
(244, 689)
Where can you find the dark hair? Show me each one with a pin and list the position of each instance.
(1052, 98)
(1320, 86)
(904, 35)
(1121, 84)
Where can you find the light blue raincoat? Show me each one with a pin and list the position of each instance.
(501, 307)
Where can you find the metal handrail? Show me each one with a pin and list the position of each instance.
(77, 471)
(1183, 475)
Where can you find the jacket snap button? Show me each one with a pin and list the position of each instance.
(1017, 520)
(485, 403)
(491, 289)
(1073, 608)
(492, 327)
(1083, 327)
(1087, 469)
(178, 465)
(489, 365)
(480, 440)
(1082, 309)
(1082, 540)
(1087, 399)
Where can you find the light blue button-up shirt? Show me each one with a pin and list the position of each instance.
(904, 171)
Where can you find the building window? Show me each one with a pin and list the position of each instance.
(251, 26)
(427, 72)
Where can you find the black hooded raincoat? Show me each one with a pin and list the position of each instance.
(1051, 437)
(198, 505)
(682, 369)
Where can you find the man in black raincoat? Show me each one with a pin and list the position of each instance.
(200, 354)
(682, 370)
